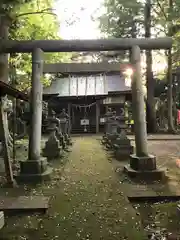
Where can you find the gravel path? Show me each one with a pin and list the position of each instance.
(88, 201)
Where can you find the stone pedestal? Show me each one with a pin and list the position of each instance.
(52, 149)
(34, 171)
(141, 163)
(123, 148)
(144, 168)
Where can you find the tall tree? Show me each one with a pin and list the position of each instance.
(150, 81)
(169, 73)
(164, 18)
(39, 22)
(122, 19)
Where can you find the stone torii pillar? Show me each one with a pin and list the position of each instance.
(142, 164)
(35, 168)
(36, 106)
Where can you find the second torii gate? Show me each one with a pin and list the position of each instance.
(35, 168)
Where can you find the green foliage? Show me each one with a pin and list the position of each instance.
(34, 20)
(122, 18)
(7, 6)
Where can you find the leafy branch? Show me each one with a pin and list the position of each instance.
(162, 10)
(44, 11)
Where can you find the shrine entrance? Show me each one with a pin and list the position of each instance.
(83, 117)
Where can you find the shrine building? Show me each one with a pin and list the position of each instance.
(86, 91)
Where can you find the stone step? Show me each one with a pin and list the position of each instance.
(22, 204)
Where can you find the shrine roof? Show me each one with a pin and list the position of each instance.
(9, 90)
(93, 85)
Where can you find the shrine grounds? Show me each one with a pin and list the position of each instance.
(89, 197)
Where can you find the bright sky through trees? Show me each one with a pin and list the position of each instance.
(75, 18)
(76, 22)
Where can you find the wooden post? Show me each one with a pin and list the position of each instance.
(36, 106)
(97, 115)
(77, 85)
(14, 129)
(4, 135)
(69, 113)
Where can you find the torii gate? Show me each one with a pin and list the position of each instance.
(141, 162)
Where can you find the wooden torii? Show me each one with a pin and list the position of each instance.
(141, 161)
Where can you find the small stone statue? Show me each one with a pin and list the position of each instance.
(108, 115)
(122, 146)
(64, 122)
(53, 148)
(63, 117)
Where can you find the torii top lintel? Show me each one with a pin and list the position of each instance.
(13, 46)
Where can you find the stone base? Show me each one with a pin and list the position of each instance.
(123, 152)
(34, 171)
(12, 184)
(34, 178)
(155, 175)
(146, 163)
(1, 220)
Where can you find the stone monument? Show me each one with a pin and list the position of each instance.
(108, 115)
(53, 148)
(122, 146)
(64, 123)
(111, 130)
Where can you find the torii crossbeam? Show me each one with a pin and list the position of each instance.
(12, 46)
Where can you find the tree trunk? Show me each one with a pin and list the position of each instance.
(4, 31)
(6, 138)
(171, 128)
(150, 108)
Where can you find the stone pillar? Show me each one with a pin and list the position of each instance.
(97, 116)
(35, 168)
(36, 106)
(138, 105)
(141, 164)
